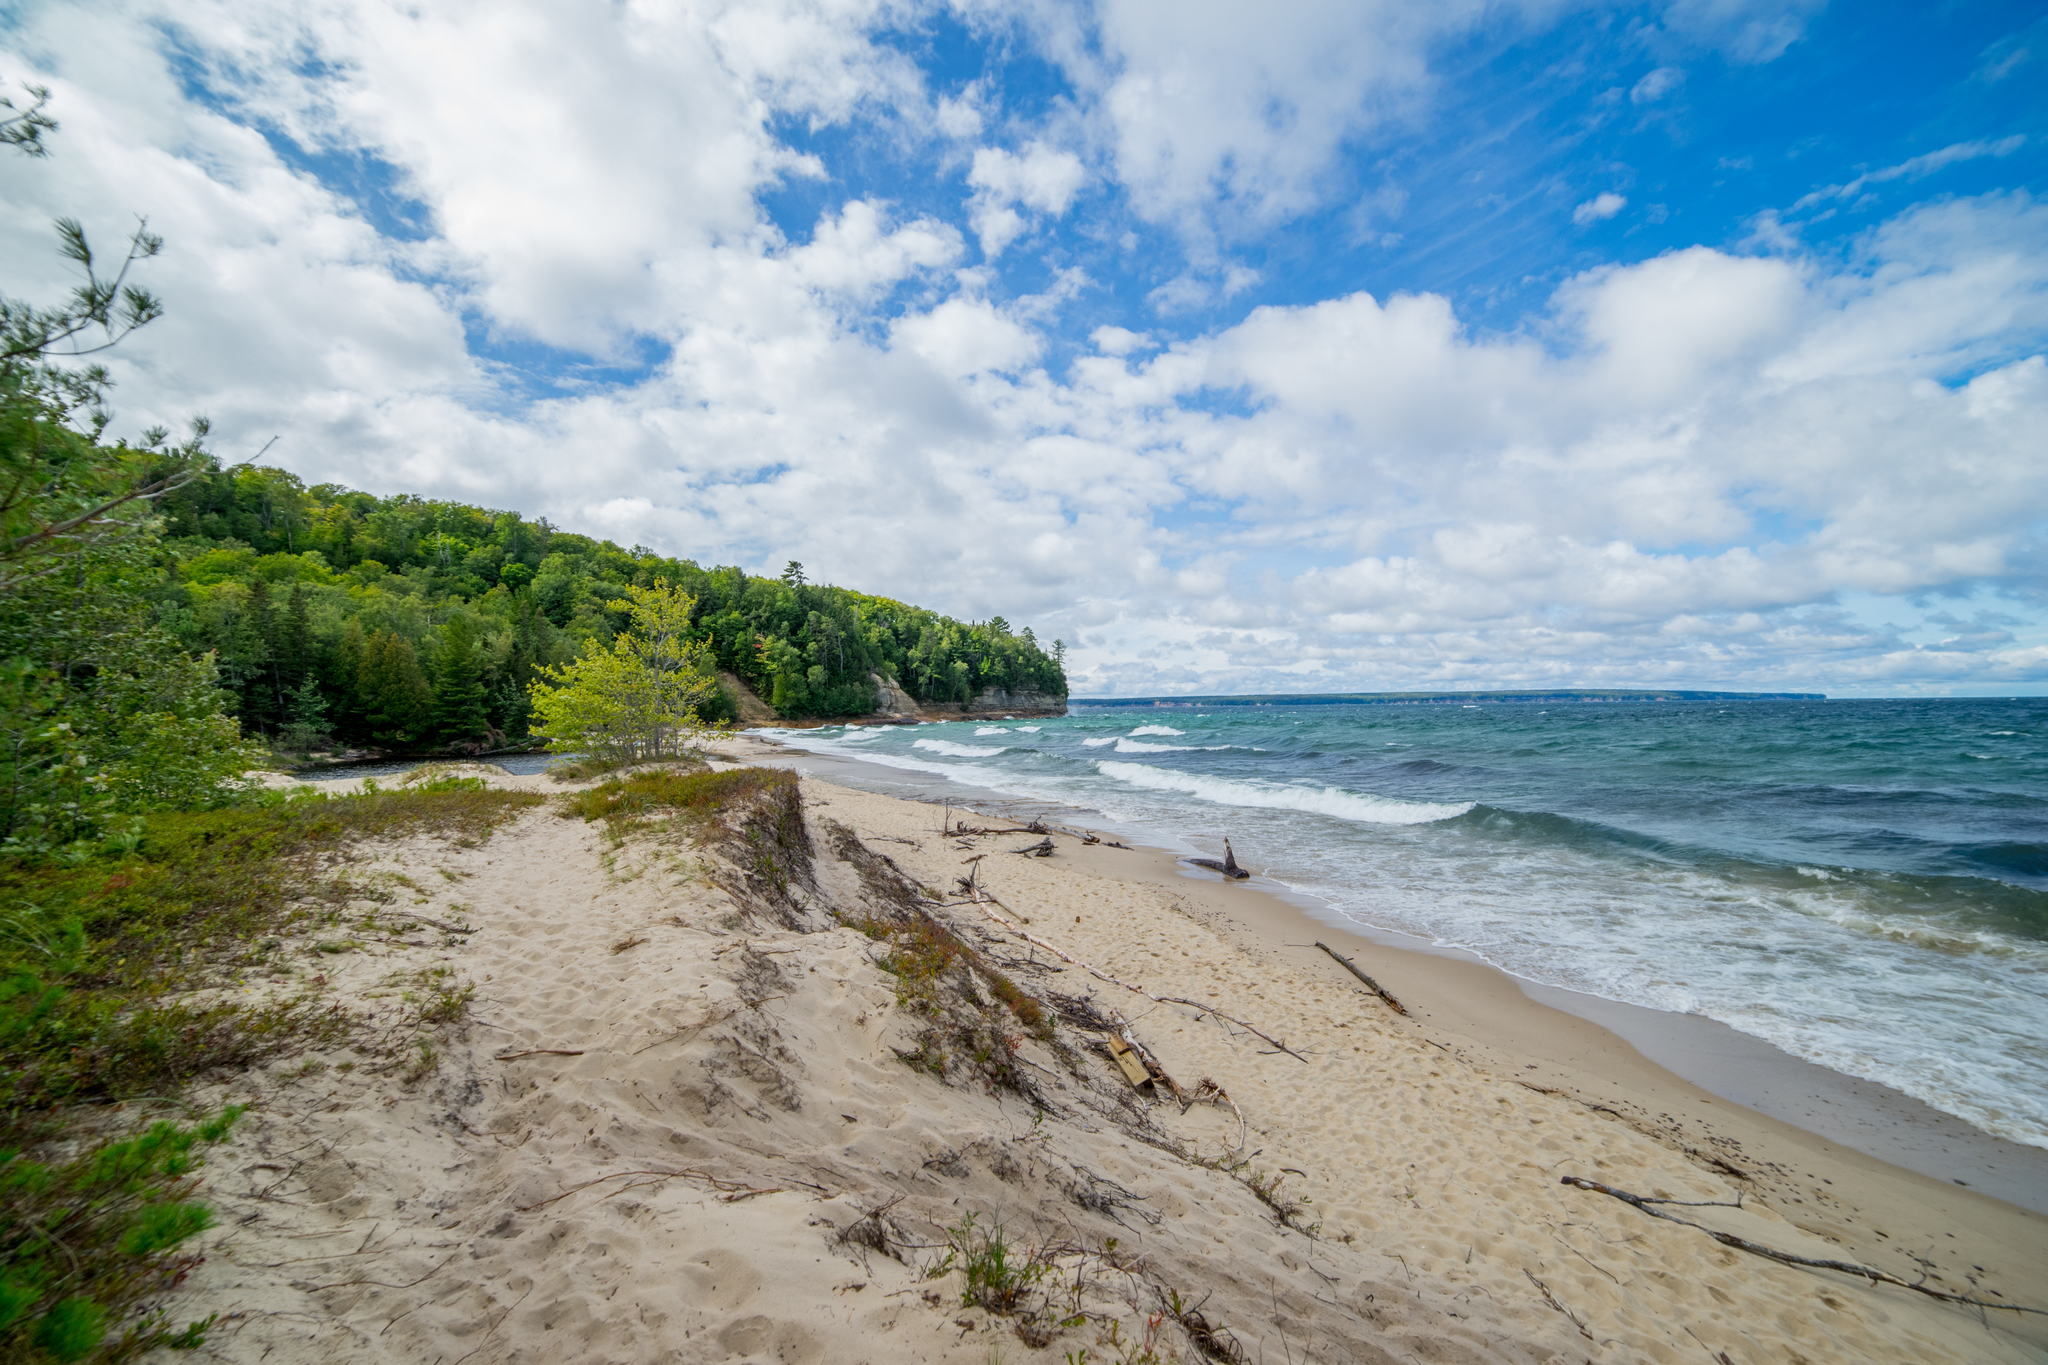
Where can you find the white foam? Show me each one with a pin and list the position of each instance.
(1098, 743)
(1138, 746)
(1030, 729)
(952, 750)
(1374, 810)
(991, 730)
(1157, 730)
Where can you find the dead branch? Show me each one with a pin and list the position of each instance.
(629, 941)
(1207, 1089)
(1551, 1299)
(981, 899)
(539, 1052)
(1728, 1239)
(1375, 987)
(714, 1182)
(437, 923)
(1198, 1005)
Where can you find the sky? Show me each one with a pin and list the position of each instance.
(1293, 347)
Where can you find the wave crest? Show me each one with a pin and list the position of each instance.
(1373, 810)
(952, 750)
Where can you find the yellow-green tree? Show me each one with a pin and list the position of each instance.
(637, 699)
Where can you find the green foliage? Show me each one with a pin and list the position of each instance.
(460, 716)
(83, 1239)
(638, 699)
(694, 794)
(532, 597)
(99, 960)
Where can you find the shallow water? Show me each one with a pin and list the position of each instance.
(1863, 884)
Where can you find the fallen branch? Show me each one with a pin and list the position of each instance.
(1728, 1239)
(539, 1052)
(981, 899)
(1375, 987)
(1207, 1089)
(1551, 1299)
(437, 923)
(713, 1181)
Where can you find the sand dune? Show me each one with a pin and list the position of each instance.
(678, 1124)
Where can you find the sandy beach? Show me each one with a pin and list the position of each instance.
(695, 1113)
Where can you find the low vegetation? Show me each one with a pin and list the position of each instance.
(114, 972)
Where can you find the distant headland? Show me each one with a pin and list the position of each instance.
(1567, 694)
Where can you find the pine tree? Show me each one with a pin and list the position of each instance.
(395, 697)
(459, 713)
(306, 715)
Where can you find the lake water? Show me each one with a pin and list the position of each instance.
(1862, 883)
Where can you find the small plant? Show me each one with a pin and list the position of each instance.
(997, 1278)
(85, 1240)
(423, 1064)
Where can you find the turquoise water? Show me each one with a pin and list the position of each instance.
(1863, 884)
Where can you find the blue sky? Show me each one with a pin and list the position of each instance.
(1308, 346)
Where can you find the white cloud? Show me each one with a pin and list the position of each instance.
(1599, 208)
(1674, 473)
(1915, 168)
(1236, 111)
(1656, 85)
(1750, 32)
(1119, 340)
(1041, 178)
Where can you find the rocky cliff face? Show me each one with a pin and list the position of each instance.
(892, 702)
(995, 699)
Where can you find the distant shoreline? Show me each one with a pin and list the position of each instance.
(1574, 694)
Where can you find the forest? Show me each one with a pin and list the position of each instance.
(408, 623)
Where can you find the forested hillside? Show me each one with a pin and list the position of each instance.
(408, 623)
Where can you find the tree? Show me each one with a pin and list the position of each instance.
(102, 714)
(306, 716)
(639, 698)
(393, 692)
(459, 713)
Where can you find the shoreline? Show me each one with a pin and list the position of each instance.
(1709, 1070)
(745, 1099)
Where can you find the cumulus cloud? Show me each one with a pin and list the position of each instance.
(1040, 178)
(1677, 470)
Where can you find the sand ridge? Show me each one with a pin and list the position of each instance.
(667, 1113)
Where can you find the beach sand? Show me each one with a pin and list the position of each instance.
(678, 1125)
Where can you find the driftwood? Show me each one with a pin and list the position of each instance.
(539, 1052)
(982, 899)
(437, 923)
(1228, 867)
(1375, 987)
(1042, 849)
(1642, 1203)
(1207, 1089)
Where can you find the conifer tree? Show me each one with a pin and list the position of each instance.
(396, 700)
(459, 712)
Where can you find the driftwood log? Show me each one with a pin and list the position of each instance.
(1375, 987)
(1228, 867)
